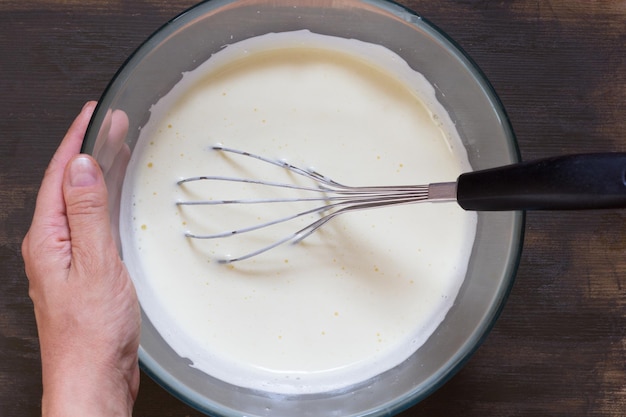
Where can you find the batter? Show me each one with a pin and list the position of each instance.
(355, 298)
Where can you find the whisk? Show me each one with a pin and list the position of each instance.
(571, 182)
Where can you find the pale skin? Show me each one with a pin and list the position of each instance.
(85, 304)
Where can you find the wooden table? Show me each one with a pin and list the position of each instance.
(559, 347)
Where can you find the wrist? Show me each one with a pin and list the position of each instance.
(87, 391)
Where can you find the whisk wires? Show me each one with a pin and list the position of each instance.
(334, 198)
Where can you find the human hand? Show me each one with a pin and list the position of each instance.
(86, 307)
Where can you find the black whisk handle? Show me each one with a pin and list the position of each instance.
(572, 182)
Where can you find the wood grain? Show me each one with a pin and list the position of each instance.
(559, 67)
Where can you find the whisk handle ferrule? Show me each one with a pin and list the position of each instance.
(585, 181)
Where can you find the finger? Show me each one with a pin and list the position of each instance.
(85, 196)
(114, 180)
(46, 245)
(103, 133)
(113, 141)
(50, 207)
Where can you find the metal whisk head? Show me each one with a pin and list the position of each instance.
(334, 198)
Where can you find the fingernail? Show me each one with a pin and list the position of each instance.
(82, 172)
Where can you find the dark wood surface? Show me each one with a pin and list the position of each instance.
(559, 347)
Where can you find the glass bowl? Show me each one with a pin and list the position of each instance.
(191, 38)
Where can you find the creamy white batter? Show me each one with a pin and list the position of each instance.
(354, 299)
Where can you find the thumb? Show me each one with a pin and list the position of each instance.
(86, 206)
